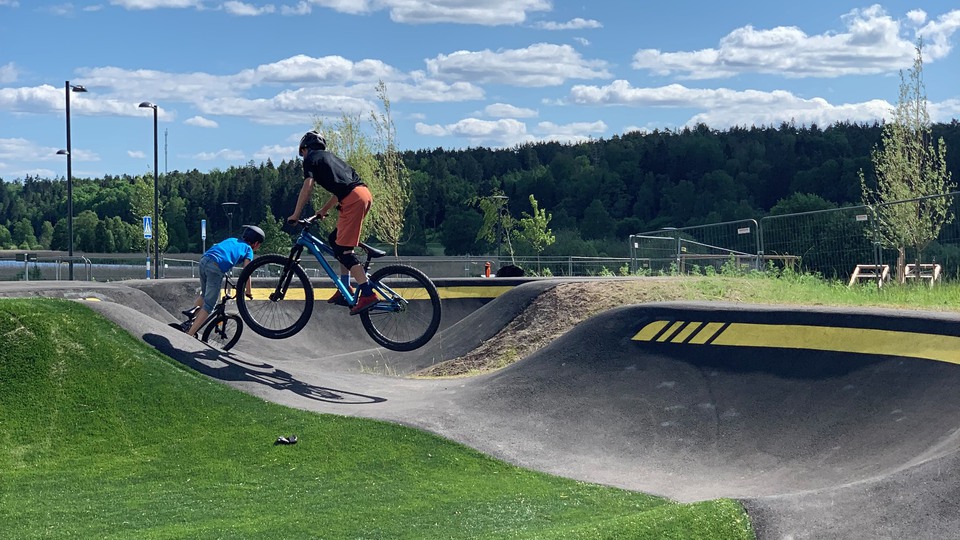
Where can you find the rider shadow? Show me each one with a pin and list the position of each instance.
(239, 370)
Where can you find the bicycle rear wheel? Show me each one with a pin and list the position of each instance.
(282, 300)
(408, 314)
(223, 331)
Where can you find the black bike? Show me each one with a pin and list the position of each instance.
(221, 329)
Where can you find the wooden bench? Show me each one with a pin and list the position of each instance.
(876, 272)
(927, 271)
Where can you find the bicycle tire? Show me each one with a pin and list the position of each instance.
(289, 304)
(407, 323)
(223, 331)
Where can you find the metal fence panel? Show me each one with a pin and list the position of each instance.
(828, 242)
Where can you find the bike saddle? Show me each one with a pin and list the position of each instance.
(190, 312)
(372, 251)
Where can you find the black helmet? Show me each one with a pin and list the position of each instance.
(312, 140)
(253, 234)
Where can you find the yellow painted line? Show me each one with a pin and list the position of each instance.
(648, 331)
(669, 331)
(91, 299)
(446, 293)
(822, 338)
(687, 330)
(706, 333)
(472, 292)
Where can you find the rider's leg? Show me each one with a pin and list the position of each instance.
(353, 209)
(210, 279)
(198, 321)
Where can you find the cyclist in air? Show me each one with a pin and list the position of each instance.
(217, 261)
(353, 200)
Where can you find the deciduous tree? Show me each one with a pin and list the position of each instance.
(910, 166)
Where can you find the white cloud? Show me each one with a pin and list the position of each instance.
(199, 121)
(244, 9)
(723, 107)
(573, 24)
(504, 110)
(936, 35)
(136, 154)
(573, 132)
(225, 154)
(507, 132)
(154, 4)
(434, 91)
(302, 8)
(328, 69)
(871, 43)
(482, 12)
(9, 3)
(8, 73)
(275, 152)
(541, 64)
(503, 132)
(21, 151)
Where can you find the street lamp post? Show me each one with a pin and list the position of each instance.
(229, 208)
(156, 194)
(501, 202)
(67, 87)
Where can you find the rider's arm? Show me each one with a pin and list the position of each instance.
(325, 209)
(249, 291)
(305, 192)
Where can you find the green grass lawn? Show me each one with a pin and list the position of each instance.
(102, 437)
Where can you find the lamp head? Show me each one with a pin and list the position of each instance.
(63, 153)
(147, 105)
(77, 88)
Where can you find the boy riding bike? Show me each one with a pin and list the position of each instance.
(217, 261)
(352, 198)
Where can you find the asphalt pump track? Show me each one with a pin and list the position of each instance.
(824, 423)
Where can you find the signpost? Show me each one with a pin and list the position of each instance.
(203, 234)
(148, 234)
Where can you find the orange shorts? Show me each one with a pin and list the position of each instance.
(353, 208)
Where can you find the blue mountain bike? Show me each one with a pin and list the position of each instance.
(405, 318)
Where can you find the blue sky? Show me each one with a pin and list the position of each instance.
(240, 81)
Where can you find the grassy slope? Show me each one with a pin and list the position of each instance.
(102, 437)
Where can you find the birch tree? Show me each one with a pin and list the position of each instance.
(910, 166)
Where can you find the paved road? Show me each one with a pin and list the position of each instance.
(826, 423)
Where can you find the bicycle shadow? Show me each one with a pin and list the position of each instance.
(238, 370)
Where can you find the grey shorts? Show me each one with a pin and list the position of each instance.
(211, 279)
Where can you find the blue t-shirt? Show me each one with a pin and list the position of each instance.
(229, 252)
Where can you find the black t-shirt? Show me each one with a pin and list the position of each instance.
(332, 173)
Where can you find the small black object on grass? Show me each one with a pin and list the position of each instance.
(286, 440)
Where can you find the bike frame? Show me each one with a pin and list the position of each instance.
(318, 248)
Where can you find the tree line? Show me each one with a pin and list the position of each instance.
(597, 193)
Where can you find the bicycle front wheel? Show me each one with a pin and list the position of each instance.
(408, 314)
(282, 296)
(223, 331)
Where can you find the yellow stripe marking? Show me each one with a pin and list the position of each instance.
(706, 333)
(671, 329)
(647, 332)
(689, 329)
(446, 293)
(824, 338)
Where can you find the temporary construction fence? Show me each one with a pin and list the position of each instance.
(51, 265)
(831, 243)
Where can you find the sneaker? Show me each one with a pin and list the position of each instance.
(364, 303)
(338, 299)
